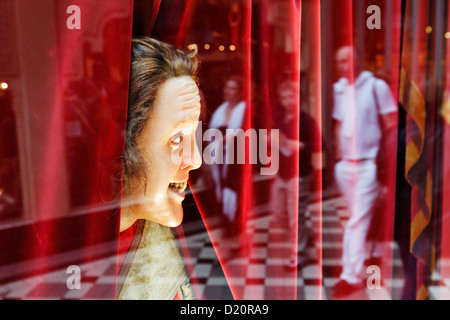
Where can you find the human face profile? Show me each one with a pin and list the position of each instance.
(174, 118)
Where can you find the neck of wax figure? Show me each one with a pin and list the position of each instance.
(163, 110)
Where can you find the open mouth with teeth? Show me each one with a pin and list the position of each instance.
(178, 187)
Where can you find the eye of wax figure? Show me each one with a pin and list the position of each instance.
(163, 113)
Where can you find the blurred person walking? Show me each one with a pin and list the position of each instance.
(285, 118)
(363, 109)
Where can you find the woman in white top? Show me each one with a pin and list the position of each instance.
(229, 115)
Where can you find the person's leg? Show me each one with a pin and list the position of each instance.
(366, 193)
(303, 232)
(291, 203)
(276, 198)
(345, 174)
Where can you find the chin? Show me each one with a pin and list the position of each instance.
(174, 223)
(174, 218)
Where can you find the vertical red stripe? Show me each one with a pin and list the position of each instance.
(316, 80)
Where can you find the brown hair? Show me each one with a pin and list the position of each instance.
(152, 63)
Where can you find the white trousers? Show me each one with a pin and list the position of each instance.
(358, 184)
(284, 200)
(286, 205)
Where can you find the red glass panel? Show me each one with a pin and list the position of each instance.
(308, 90)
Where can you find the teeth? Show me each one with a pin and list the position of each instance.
(178, 186)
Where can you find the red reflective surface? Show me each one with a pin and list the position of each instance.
(294, 233)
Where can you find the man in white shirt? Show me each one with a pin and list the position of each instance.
(363, 109)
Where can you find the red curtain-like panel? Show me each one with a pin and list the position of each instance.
(299, 203)
(64, 72)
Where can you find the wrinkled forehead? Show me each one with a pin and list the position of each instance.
(178, 99)
(183, 86)
(181, 92)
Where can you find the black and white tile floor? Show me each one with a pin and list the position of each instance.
(314, 279)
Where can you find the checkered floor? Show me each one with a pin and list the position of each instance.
(313, 282)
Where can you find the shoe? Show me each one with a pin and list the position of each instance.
(343, 289)
(293, 265)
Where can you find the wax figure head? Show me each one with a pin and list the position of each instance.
(163, 111)
(348, 63)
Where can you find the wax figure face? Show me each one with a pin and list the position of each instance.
(174, 120)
